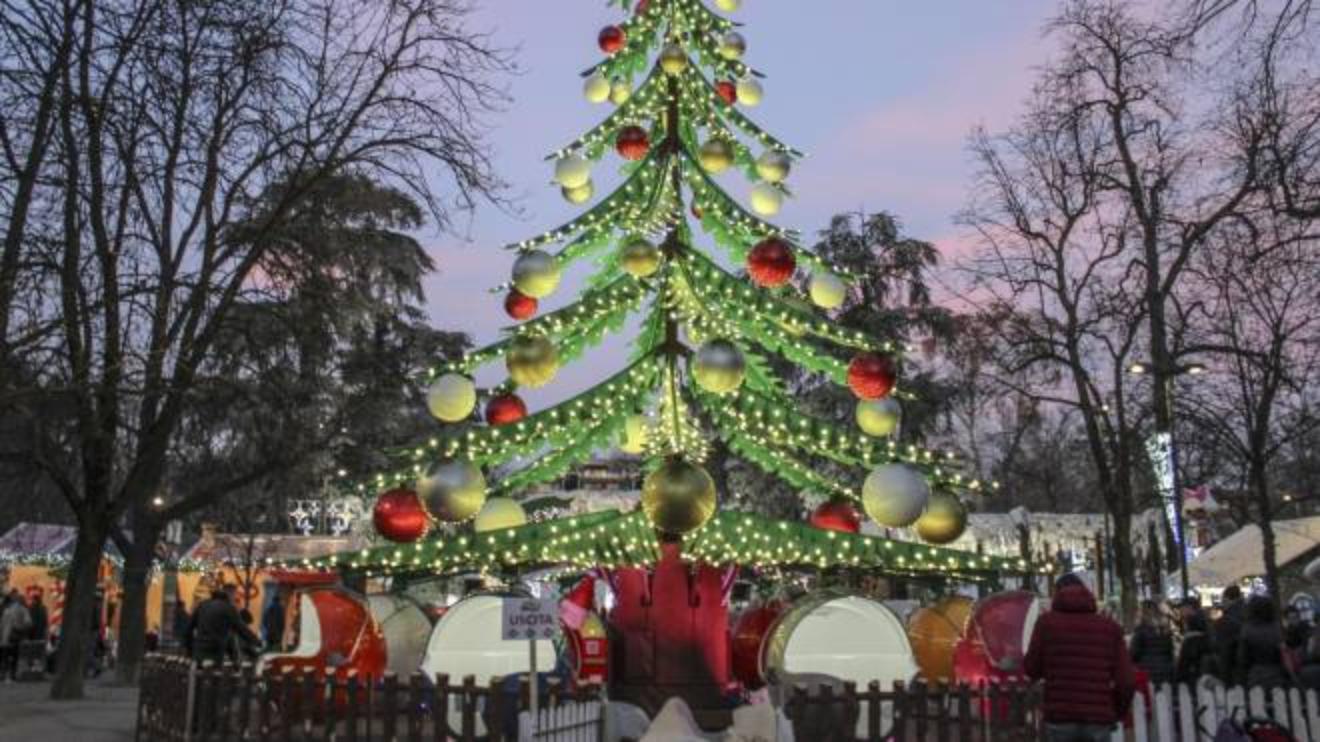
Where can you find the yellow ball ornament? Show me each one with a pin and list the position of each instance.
(572, 171)
(766, 200)
(532, 361)
(679, 497)
(452, 490)
(536, 273)
(894, 495)
(728, 6)
(596, 88)
(634, 435)
(719, 367)
(640, 258)
(673, 60)
(733, 46)
(499, 512)
(620, 92)
(750, 92)
(827, 290)
(945, 519)
(451, 398)
(879, 417)
(579, 195)
(715, 156)
(773, 166)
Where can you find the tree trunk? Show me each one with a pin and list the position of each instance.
(133, 609)
(1125, 565)
(1260, 487)
(76, 627)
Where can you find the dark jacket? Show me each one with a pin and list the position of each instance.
(1195, 658)
(1152, 650)
(40, 621)
(212, 624)
(1260, 655)
(272, 623)
(1227, 631)
(1083, 660)
(182, 620)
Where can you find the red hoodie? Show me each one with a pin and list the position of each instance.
(1083, 660)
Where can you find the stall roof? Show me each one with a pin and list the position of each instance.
(1242, 554)
(44, 539)
(256, 547)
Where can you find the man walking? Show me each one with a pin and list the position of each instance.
(1081, 656)
(212, 625)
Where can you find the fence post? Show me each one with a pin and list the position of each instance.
(190, 708)
(900, 710)
(391, 704)
(469, 708)
(351, 688)
(964, 712)
(415, 719)
(440, 709)
(873, 702)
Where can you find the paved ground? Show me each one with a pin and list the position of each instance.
(106, 714)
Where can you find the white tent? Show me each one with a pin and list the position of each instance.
(1242, 554)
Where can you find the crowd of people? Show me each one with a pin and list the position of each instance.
(21, 620)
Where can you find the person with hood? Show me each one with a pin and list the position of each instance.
(1260, 661)
(1152, 644)
(1228, 629)
(1196, 656)
(1081, 656)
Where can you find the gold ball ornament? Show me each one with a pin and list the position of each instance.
(715, 156)
(827, 290)
(572, 171)
(451, 398)
(634, 435)
(620, 92)
(766, 200)
(532, 361)
(673, 60)
(774, 166)
(732, 46)
(678, 497)
(728, 6)
(945, 519)
(499, 512)
(640, 258)
(879, 418)
(579, 195)
(894, 495)
(750, 92)
(719, 367)
(536, 273)
(452, 491)
(596, 88)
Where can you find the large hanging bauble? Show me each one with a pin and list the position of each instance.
(632, 143)
(872, 376)
(678, 497)
(719, 367)
(453, 490)
(532, 361)
(771, 263)
(747, 637)
(497, 513)
(733, 46)
(620, 92)
(879, 417)
(611, 39)
(827, 290)
(640, 258)
(536, 274)
(505, 409)
(773, 166)
(894, 495)
(596, 88)
(766, 200)
(715, 156)
(634, 435)
(451, 398)
(945, 519)
(399, 516)
(572, 171)
(673, 60)
(750, 92)
(727, 91)
(579, 195)
(837, 515)
(520, 306)
(728, 6)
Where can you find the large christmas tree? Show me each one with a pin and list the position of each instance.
(700, 366)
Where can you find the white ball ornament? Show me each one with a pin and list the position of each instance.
(765, 199)
(733, 46)
(596, 88)
(579, 195)
(750, 91)
(895, 495)
(620, 92)
(451, 398)
(536, 273)
(879, 417)
(572, 171)
(828, 291)
(499, 512)
(634, 435)
(773, 166)
(728, 6)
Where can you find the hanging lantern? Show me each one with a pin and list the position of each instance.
(879, 417)
(678, 497)
(505, 409)
(837, 515)
(727, 91)
(451, 398)
(732, 46)
(536, 274)
(611, 39)
(773, 166)
(673, 60)
(945, 519)
(872, 376)
(715, 156)
(532, 361)
(520, 306)
(579, 195)
(719, 367)
(453, 490)
(634, 435)
(827, 290)
(398, 516)
(728, 6)
(771, 263)
(620, 92)
(640, 258)
(572, 171)
(750, 92)
(497, 513)
(596, 88)
(632, 143)
(894, 495)
(766, 199)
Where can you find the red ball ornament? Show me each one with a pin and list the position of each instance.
(399, 516)
(632, 142)
(505, 409)
(872, 376)
(641, 6)
(611, 39)
(748, 636)
(837, 515)
(771, 263)
(520, 306)
(727, 90)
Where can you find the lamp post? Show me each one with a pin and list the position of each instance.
(1164, 454)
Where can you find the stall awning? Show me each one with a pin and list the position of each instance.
(1242, 554)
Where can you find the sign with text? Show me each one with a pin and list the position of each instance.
(530, 618)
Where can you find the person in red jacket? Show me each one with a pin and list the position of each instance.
(1081, 656)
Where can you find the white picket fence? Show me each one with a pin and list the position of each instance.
(1176, 718)
(566, 722)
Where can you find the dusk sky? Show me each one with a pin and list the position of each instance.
(881, 94)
